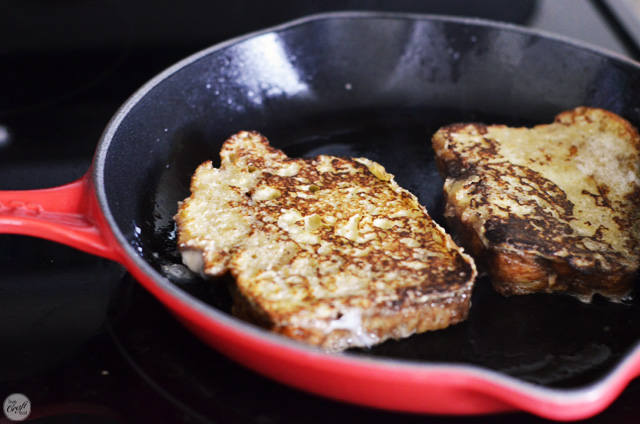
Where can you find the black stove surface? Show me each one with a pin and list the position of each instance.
(78, 336)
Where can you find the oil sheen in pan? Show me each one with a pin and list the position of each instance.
(552, 340)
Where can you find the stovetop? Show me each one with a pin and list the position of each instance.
(79, 337)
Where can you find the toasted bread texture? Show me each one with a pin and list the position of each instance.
(553, 208)
(329, 251)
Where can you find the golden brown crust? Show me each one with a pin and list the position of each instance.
(386, 322)
(554, 208)
(326, 250)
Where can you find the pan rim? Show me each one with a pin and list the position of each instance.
(159, 284)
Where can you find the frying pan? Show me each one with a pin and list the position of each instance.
(358, 84)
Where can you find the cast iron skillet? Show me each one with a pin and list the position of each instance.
(358, 84)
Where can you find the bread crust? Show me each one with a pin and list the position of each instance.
(383, 322)
(536, 216)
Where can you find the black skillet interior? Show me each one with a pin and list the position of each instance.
(379, 86)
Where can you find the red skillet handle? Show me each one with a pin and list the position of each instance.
(66, 214)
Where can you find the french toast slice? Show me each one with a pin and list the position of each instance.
(330, 251)
(553, 208)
